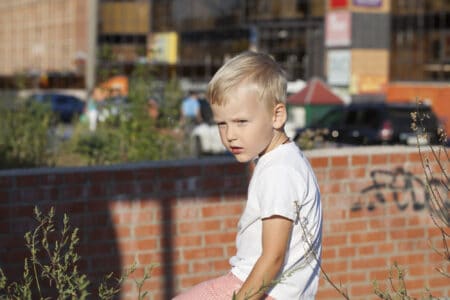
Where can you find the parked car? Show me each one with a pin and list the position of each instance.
(374, 123)
(205, 137)
(66, 107)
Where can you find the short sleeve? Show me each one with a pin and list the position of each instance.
(279, 190)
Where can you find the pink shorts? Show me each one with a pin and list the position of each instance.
(220, 288)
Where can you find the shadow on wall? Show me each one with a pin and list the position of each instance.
(125, 214)
(84, 196)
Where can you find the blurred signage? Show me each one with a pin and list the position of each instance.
(338, 3)
(164, 47)
(368, 3)
(338, 28)
(124, 17)
(338, 67)
(362, 83)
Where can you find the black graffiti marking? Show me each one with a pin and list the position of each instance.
(403, 187)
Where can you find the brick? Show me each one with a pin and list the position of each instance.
(368, 237)
(354, 225)
(202, 226)
(7, 181)
(332, 188)
(361, 289)
(147, 244)
(405, 259)
(186, 211)
(144, 230)
(359, 160)
(222, 210)
(385, 247)
(221, 265)
(187, 241)
(152, 285)
(319, 162)
(339, 161)
(150, 258)
(368, 263)
(379, 159)
(351, 277)
(407, 233)
(27, 180)
(329, 253)
(202, 267)
(366, 250)
(334, 240)
(398, 158)
(181, 268)
(220, 238)
(340, 173)
(237, 168)
(331, 267)
(202, 253)
(347, 252)
(328, 293)
(414, 157)
(358, 172)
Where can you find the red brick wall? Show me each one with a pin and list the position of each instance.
(182, 215)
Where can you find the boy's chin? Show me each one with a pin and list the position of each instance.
(243, 158)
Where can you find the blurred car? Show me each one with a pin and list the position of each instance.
(205, 137)
(374, 123)
(66, 107)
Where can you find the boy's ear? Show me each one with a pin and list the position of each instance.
(279, 115)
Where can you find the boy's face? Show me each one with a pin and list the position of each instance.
(245, 123)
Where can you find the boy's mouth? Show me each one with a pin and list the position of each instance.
(236, 150)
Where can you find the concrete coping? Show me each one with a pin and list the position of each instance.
(328, 152)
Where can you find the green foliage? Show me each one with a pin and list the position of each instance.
(397, 287)
(51, 270)
(312, 139)
(52, 265)
(25, 135)
(170, 108)
(132, 135)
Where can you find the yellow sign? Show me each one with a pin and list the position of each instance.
(163, 47)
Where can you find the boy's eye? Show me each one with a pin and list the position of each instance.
(241, 122)
(221, 125)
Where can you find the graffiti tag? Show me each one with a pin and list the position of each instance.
(400, 186)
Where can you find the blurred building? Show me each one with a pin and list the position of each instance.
(41, 41)
(211, 31)
(359, 47)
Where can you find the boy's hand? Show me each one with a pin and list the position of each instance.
(276, 232)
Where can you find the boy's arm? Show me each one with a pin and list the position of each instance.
(276, 231)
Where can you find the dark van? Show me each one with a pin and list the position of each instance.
(375, 123)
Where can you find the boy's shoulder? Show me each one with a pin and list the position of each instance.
(287, 156)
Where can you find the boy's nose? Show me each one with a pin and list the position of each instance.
(231, 133)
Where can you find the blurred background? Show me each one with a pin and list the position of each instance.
(99, 82)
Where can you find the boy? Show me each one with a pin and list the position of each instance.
(279, 233)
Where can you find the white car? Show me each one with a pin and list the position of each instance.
(205, 140)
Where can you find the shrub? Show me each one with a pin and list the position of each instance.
(25, 135)
(51, 270)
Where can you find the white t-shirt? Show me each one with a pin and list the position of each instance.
(284, 184)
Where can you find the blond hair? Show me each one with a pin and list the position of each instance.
(252, 68)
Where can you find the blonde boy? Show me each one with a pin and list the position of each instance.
(279, 233)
